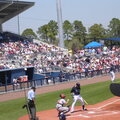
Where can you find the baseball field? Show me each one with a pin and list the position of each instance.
(93, 93)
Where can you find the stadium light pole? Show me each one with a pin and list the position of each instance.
(18, 19)
(60, 23)
(18, 24)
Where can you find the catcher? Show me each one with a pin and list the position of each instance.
(61, 108)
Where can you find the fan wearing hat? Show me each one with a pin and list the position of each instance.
(75, 91)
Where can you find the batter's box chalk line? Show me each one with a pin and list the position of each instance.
(90, 114)
(95, 112)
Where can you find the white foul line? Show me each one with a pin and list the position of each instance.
(112, 113)
(87, 116)
(108, 104)
(84, 116)
(80, 115)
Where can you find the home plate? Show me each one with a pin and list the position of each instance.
(91, 112)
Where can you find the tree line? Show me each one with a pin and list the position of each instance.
(75, 34)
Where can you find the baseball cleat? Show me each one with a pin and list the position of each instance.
(84, 109)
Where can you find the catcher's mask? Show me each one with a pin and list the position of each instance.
(62, 96)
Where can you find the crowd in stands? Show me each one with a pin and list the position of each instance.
(26, 53)
(45, 57)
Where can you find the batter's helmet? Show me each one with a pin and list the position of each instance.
(78, 84)
(33, 87)
(62, 96)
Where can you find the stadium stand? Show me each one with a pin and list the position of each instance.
(51, 63)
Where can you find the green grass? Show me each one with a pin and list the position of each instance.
(94, 93)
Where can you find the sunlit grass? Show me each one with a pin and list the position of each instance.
(93, 93)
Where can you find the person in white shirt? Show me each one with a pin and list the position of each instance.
(31, 103)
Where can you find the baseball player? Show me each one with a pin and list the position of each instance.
(112, 73)
(31, 103)
(75, 91)
(60, 106)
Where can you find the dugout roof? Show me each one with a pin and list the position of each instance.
(11, 8)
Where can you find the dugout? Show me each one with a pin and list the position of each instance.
(7, 75)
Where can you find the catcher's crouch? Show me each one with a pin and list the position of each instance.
(60, 106)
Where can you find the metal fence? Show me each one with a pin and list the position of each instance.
(48, 80)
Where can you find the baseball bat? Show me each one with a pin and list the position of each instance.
(85, 102)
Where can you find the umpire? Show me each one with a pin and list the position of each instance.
(31, 103)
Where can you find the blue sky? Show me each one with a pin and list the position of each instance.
(87, 11)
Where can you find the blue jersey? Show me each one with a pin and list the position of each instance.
(75, 90)
(112, 69)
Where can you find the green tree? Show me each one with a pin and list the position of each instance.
(114, 27)
(48, 32)
(79, 31)
(68, 29)
(75, 45)
(97, 31)
(29, 33)
(52, 31)
(43, 33)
